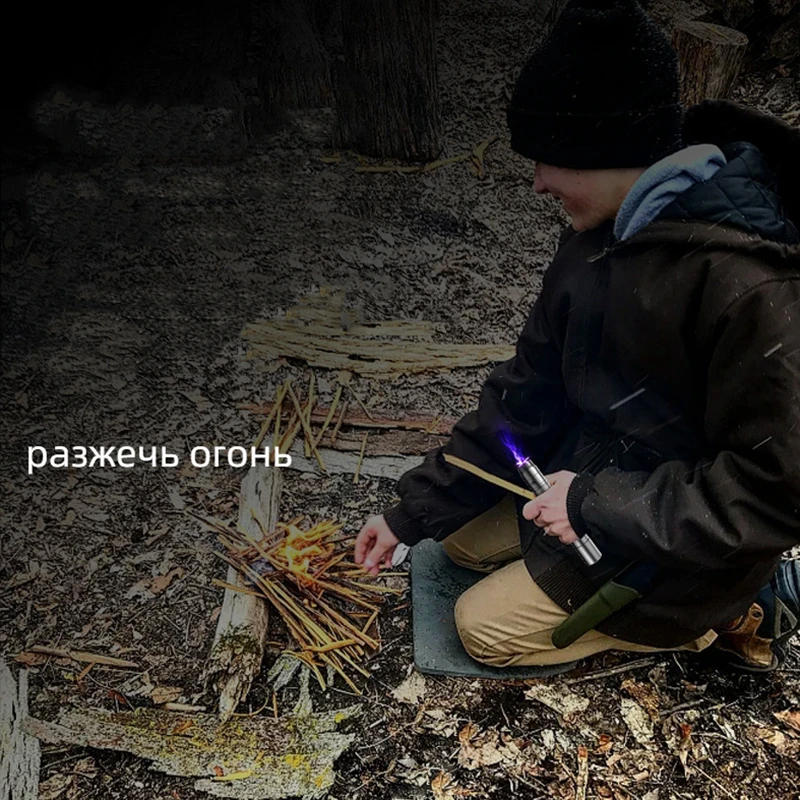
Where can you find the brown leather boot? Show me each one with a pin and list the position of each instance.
(742, 645)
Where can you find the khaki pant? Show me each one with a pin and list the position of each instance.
(505, 619)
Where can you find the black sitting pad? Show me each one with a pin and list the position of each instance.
(436, 584)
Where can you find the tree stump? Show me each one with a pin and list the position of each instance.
(20, 752)
(238, 646)
(710, 59)
(387, 98)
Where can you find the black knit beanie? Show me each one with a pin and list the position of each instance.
(602, 91)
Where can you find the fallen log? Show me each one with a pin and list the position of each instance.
(427, 424)
(238, 646)
(250, 758)
(339, 463)
(20, 753)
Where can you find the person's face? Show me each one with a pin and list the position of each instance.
(589, 196)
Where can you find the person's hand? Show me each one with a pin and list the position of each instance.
(375, 545)
(549, 509)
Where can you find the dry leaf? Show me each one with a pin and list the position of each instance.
(30, 659)
(444, 786)
(176, 500)
(162, 582)
(478, 750)
(86, 766)
(644, 695)
(202, 403)
(560, 698)
(411, 690)
(165, 694)
(784, 746)
(637, 720)
(790, 718)
(20, 579)
(411, 772)
(604, 743)
(436, 721)
(55, 786)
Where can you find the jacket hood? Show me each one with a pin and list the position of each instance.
(758, 190)
(743, 194)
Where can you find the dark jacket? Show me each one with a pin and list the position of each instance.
(665, 371)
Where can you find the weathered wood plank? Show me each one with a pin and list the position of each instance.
(250, 758)
(19, 752)
(339, 463)
(238, 646)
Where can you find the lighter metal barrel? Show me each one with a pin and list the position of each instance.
(538, 484)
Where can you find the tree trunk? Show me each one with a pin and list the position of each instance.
(225, 35)
(387, 93)
(20, 753)
(295, 69)
(242, 626)
(710, 59)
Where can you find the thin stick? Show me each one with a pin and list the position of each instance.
(79, 655)
(276, 410)
(329, 417)
(370, 621)
(326, 657)
(376, 588)
(618, 670)
(582, 782)
(511, 487)
(308, 440)
(291, 433)
(360, 458)
(326, 648)
(252, 713)
(338, 424)
(276, 436)
(306, 427)
(360, 402)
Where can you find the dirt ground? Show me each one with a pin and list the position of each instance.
(133, 256)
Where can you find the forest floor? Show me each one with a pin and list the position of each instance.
(132, 260)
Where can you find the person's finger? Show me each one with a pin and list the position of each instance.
(530, 509)
(375, 555)
(387, 559)
(363, 540)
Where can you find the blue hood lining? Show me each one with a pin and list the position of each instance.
(743, 194)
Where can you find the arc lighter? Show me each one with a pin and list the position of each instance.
(538, 484)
